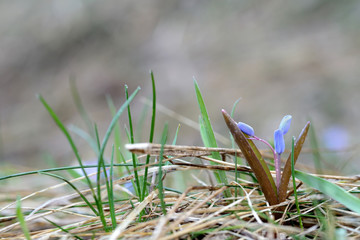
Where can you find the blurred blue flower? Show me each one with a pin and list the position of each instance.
(246, 128)
(285, 124)
(336, 138)
(93, 176)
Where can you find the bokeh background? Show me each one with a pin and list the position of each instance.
(279, 57)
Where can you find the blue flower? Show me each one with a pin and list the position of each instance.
(285, 124)
(279, 142)
(246, 128)
(279, 134)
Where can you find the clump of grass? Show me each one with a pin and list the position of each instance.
(136, 201)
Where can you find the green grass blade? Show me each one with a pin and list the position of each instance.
(84, 135)
(69, 138)
(59, 169)
(234, 107)
(220, 175)
(115, 119)
(253, 161)
(294, 182)
(160, 173)
(21, 219)
(285, 178)
(112, 126)
(118, 141)
(152, 130)
(110, 190)
(89, 139)
(176, 135)
(315, 150)
(179, 177)
(126, 165)
(98, 200)
(101, 163)
(203, 133)
(63, 229)
(330, 189)
(75, 188)
(117, 134)
(79, 105)
(74, 174)
(50, 161)
(132, 141)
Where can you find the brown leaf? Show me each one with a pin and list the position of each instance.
(251, 158)
(286, 174)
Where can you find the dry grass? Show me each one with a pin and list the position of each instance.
(200, 212)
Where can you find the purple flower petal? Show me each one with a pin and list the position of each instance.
(285, 124)
(279, 142)
(246, 128)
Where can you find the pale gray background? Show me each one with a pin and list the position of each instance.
(281, 57)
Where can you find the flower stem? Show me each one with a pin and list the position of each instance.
(276, 159)
(277, 170)
(264, 141)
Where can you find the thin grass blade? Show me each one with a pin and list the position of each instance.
(220, 175)
(286, 174)
(178, 177)
(112, 126)
(115, 119)
(98, 200)
(79, 105)
(84, 135)
(111, 191)
(134, 158)
(117, 134)
(58, 169)
(176, 135)
(330, 189)
(21, 219)
(63, 229)
(70, 140)
(152, 130)
(315, 150)
(250, 156)
(73, 187)
(160, 173)
(203, 133)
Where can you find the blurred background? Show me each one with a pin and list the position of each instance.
(280, 57)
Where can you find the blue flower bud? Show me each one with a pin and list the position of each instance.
(285, 124)
(279, 142)
(246, 129)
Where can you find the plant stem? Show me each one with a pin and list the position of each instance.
(264, 141)
(277, 161)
